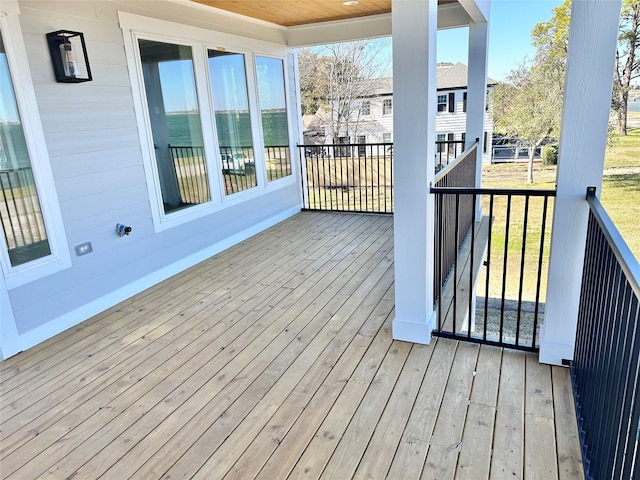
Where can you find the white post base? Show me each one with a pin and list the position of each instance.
(553, 353)
(413, 332)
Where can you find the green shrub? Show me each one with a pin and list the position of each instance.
(550, 155)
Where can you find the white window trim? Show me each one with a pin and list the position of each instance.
(390, 112)
(135, 27)
(283, 181)
(59, 258)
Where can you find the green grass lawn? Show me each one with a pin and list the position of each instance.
(620, 188)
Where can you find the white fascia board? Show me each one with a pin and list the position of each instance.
(478, 10)
(451, 15)
(209, 18)
(9, 6)
(339, 31)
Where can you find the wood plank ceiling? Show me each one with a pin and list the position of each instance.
(289, 13)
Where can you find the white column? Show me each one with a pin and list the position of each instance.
(477, 90)
(591, 56)
(414, 26)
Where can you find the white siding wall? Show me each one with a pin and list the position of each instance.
(446, 122)
(95, 153)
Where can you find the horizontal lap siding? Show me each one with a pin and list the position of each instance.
(96, 158)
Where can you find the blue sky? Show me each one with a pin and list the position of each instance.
(510, 27)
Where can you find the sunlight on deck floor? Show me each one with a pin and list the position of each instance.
(274, 360)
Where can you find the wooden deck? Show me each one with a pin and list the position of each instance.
(274, 360)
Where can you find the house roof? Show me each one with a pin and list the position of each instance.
(455, 76)
(448, 76)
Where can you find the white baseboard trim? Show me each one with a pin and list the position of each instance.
(72, 318)
(554, 353)
(413, 332)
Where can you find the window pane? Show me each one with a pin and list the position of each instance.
(387, 107)
(175, 124)
(273, 111)
(22, 221)
(233, 120)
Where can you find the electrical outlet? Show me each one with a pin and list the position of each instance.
(83, 248)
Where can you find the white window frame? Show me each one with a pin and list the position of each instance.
(387, 110)
(445, 103)
(60, 258)
(290, 127)
(365, 108)
(135, 27)
(256, 127)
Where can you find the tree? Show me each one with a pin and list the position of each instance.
(553, 37)
(528, 106)
(627, 60)
(313, 84)
(335, 78)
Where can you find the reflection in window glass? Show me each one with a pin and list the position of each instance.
(23, 226)
(233, 120)
(273, 111)
(175, 124)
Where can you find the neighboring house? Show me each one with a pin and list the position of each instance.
(375, 122)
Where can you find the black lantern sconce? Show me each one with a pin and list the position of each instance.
(69, 56)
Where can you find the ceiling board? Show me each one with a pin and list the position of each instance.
(290, 13)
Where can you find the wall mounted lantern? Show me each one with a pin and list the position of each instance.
(69, 56)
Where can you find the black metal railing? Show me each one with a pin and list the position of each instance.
(450, 234)
(348, 177)
(447, 151)
(493, 292)
(191, 173)
(278, 160)
(606, 365)
(20, 213)
(357, 177)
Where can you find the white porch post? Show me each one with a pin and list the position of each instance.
(414, 27)
(592, 44)
(477, 89)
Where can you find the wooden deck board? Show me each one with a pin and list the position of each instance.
(274, 360)
(446, 442)
(509, 435)
(477, 438)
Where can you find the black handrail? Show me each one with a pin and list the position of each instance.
(605, 371)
